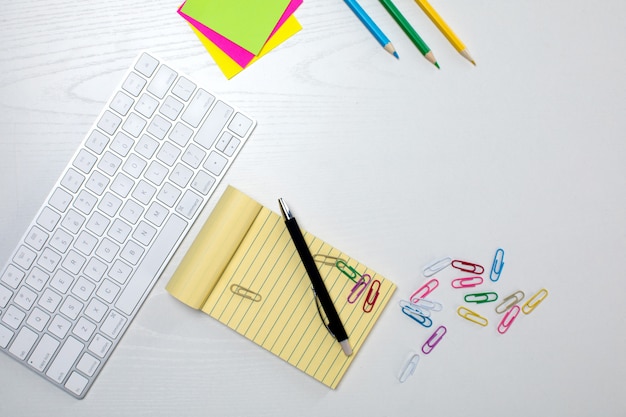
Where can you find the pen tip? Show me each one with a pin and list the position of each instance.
(345, 345)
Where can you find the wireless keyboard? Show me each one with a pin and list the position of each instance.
(113, 220)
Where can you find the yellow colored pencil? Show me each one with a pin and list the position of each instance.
(445, 29)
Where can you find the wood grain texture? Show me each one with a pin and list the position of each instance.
(394, 162)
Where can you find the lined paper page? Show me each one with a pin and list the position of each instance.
(285, 320)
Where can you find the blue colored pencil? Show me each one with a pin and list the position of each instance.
(372, 27)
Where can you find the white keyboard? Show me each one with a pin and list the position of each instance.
(113, 220)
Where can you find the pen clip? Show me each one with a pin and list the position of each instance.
(320, 311)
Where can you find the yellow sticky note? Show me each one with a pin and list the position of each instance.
(228, 66)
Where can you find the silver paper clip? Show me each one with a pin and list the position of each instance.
(359, 288)
(434, 267)
(409, 367)
(434, 339)
(426, 304)
(423, 311)
(498, 264)
(245, 293)
(510, 301)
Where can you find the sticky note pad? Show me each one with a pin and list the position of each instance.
(238, 54)
(228, 65)
(248, 23)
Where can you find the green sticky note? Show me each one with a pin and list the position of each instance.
(248, 23)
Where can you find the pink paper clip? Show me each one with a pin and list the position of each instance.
(467, 282)
(434, 339)
(359, 288)
(368, 305)
(424, 290)
(508, 319)
(468, 267)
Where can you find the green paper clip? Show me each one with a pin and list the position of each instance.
(481, 297)
(347, 270)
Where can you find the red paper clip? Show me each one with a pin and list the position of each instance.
(368, 305)
(434, 339)
(508, 319)
(468, 267)
(359, 288)
(424, 290)
(467, 282)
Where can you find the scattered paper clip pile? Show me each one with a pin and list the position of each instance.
(419, 308)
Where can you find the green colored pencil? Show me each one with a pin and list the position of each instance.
(410, 32)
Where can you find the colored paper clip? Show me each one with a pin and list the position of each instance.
(359, 288)
(433, 268)
(425, 304)
(510, 301)
(508, 319)
(424, 290)
(467, 282)
(368, 305)
(347, 270)
(534, 301)
(481, 297)
(468, 314)
(498, 264)
(409, 367)
(434, 339)
(468, 267)
(417, 315)
(245, 293)
(409, 305)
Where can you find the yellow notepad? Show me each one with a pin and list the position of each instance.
(243, 270)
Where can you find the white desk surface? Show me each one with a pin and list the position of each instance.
(394, 162)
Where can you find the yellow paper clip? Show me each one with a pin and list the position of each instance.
(510, 301)
(245, 293)
(468, 314)
(534, 301)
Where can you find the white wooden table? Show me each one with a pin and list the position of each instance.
(393, 161)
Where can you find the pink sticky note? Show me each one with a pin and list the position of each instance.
(238, 54)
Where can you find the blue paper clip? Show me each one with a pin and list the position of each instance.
(498, 264)
(434, 339)
(423, 311)
(409, 367)
(359, 288)
(434, 267)
(416, 314)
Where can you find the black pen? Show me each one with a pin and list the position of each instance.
(334, 322)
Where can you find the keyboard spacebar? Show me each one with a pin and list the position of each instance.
(149, 269)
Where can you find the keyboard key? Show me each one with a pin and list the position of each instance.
(25, 298)
(5, 336)
(76, 383)
(183, 88)
(171, 108)
(134, 84)
(5, 296)
(59, 326)
(99, 345)
(12, 276)
(162, 81)
(215, 163)
(146, 64)
(60, 199)
(213, 125)
(109, 122)
(88, 364)
(121, 103)
(43, 352)
(48, 219)
(159, 127)
(23, 343)
(96, 142)
(38, 319)
(24, 257)
(181, 134)
(240, 124)
(13, 317)
(146, 105)
(198, 107)
(65, 359)
(49, 300)
(85, 161)
(134, 124)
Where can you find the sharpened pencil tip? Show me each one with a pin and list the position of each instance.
(396, 55)
(437, 65)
